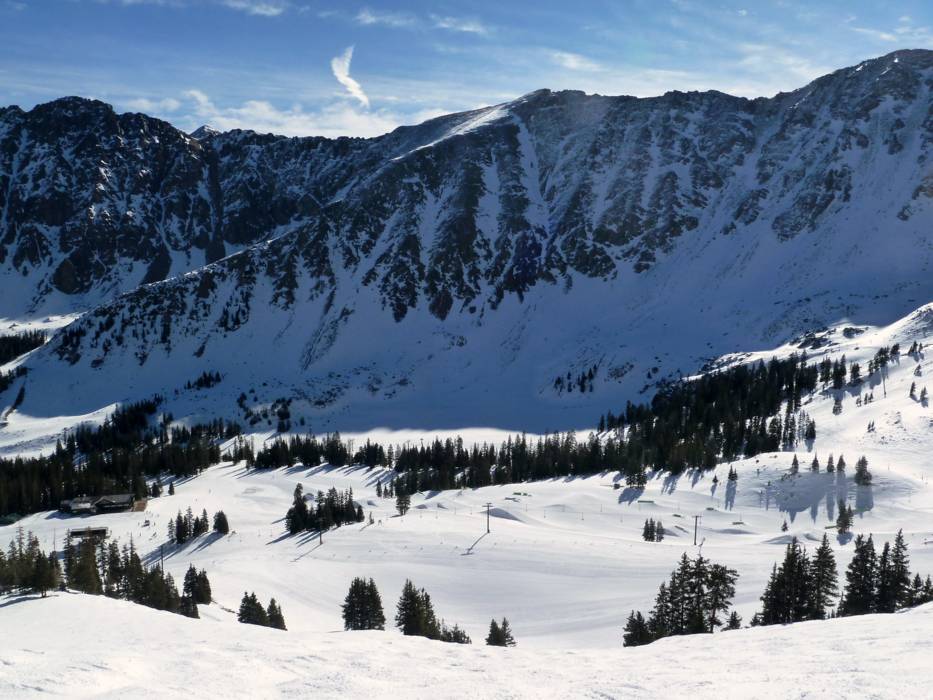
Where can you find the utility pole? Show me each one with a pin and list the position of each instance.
(696, 522)
(487, 507)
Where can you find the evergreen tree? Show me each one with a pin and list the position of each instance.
(188, 608)
(402, 500)
(862, 475)
(85, 575)
(221, 525)
(274, 616)
(362, 608)
(735, 621)
(500, 635)
(251, 611)
(859, 594)
(885, 588)
(900, 571)
(844, 518)
(823, 580)
(297, 517)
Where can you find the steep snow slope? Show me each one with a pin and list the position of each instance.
(136, 651)
(447, 274)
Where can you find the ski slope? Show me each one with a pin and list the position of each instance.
(73, 646)
(564, 561)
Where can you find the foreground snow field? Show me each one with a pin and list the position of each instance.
(75, 646)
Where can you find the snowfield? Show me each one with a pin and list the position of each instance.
(564, 561)
(75, 646)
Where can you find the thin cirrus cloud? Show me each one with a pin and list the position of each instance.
(460, 24)
(340, 65)
(336, 119)
(401, 20)
(262, 8)
(574, 61)
(369, 17)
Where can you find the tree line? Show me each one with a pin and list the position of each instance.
(187, 526)
(98, 568)
(252, 613)
(414, 615)
(114, 457)
(333, 509)
(801, 587)
(691, 602)
(16, 344)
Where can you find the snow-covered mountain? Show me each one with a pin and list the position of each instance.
(448, 274)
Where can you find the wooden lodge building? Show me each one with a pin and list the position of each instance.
(95, 505)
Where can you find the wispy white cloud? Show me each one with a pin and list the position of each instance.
(336, 119)
(875, 33)
(460, 24)
(263, 8)
(370, 17)
(768, 59)
(340, 65)
(905, 33)
(574, 61)
(144, 104)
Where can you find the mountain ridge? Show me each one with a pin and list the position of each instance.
(458, 243)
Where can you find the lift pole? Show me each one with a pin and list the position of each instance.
(487, 507)
(696, 522)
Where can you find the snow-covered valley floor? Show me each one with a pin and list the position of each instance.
(564, 561)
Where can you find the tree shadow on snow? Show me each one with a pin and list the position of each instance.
(731, 489)
(630, 494)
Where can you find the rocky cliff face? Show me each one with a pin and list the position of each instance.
(467, 234)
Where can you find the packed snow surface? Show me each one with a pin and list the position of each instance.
(74, 646)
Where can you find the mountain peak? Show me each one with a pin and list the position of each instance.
(205, 131)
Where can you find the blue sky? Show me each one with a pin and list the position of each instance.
(303, 67)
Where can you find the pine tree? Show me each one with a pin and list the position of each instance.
(885, 589)
(900, 571)
(843, 518)
(735, 622)
(824, 579)
(859, 595)
(500, 634)
(362, 608)
(297, 517)
(494, 638)
(274, 616)
(402, 501)
(187, 607)
(85, 576)
(171, 488)
(251, 611)
(862, 475)
(44, 576)
(221, 525)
